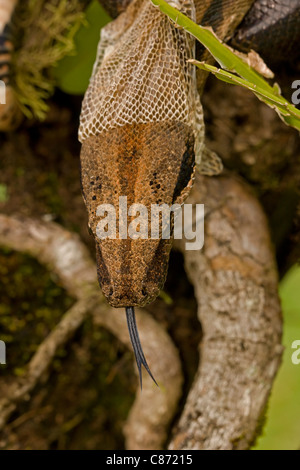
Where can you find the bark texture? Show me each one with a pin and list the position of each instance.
(68, 258)
(235, 280)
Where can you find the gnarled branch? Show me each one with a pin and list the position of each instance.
(236, 287)
(65, 254)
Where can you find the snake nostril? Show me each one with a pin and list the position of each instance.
(111, 291)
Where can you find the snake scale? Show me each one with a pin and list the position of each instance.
(142, 127)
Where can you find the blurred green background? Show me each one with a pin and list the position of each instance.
(282, 428)
(73, 72)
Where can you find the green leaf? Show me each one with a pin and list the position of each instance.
(285, 110)
(73, 73)
(234, 63)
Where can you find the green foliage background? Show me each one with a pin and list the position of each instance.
(73, 72)
(282, 429)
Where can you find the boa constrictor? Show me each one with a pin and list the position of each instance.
(142, 135)
(142, 128)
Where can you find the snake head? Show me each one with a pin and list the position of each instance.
(125, 172)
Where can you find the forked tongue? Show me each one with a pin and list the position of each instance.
(136, 344)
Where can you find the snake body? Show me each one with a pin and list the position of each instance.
(142, 131)
(271, 28)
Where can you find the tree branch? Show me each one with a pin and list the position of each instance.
(235, 282)
(66, 255)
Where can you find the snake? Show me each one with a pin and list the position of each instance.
(142, 128)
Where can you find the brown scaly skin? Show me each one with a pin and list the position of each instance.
(134, 161)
